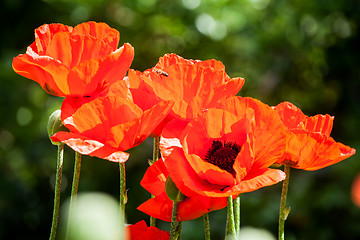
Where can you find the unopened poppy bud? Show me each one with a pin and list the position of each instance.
(172, 191)
(55, 125)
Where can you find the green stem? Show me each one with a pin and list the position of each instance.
(175, 226)
(230, 229)
(59, 167)
(284, 210)
(178, 231)
(123, 197)
(74, 188)
(155, 150)
(237, 214)
(207, 226)
(155, 158)
(76, 178)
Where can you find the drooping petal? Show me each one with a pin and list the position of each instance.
(88, 146)
(48, 72)
(258, 178)
(103, 113)
(312, 151)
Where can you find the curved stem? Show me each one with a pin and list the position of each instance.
(74, 188)
(237, 214)
(284, 210)
(59, 167)
(207, 226)
(123, 197)
(155, 158)
(230, 229)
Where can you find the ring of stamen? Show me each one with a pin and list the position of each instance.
(223, 155)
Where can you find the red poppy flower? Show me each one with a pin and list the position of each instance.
(160, 206)
(106, 126)
(309, 145)
(80, 61)
(193, 85)
(219, 153)
(140, 231)
(355, 190)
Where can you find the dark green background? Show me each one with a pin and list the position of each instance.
(306, 52)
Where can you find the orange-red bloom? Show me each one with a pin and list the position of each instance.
(140, 231)
(309, 145)
(192, 84)
(223, 151)
(355, 190)
(80, 61)
(106, 126)
(160, 206)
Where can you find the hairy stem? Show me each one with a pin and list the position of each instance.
(155, 158)
(59, 167)
(123, 197)
(284, 210)
(175, 229)
(230, 226)
(74, 188)
(237, 214)
(207, 226)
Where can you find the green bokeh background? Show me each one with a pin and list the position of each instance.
(305, 52)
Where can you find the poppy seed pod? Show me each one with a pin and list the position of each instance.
(55, 125)
(172, 191)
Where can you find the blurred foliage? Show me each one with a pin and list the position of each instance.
(306, 52)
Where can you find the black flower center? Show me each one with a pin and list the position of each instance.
(223, 155)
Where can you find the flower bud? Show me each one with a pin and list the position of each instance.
(55, 125)
(172, 191)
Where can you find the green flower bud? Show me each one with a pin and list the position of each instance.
(172, 191)
(55, 125)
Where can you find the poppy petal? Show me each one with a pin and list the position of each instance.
(290, 115)
(269, 131)
(87, 146)
(161, 206)
(312, 151)
(155, 177)
(45, 70)
(100, 31)
(257, 179)
(45, 33)
(184, 176)
(81, 78)
(114, 66)
(319, 123)
(141, 231)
